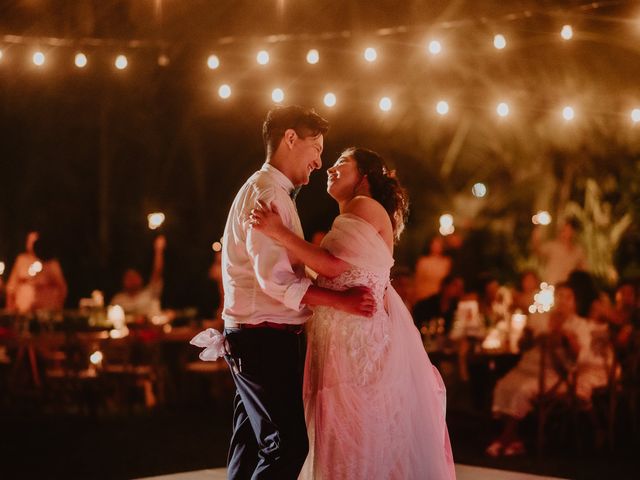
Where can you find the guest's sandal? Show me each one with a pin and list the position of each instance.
(495, 449)
(514, 448)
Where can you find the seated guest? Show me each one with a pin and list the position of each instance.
(431, 268)
(137, 299)
(441, 305)
(528, 286)
(624, 317)
(562, 255)
(50, 285)
(571, 345)
(20, 288)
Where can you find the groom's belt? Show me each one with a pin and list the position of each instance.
(297, 329)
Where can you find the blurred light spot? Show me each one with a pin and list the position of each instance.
(224, 91)
(568, 113)
(263, 57)
(330, 99)
(213, 62)
(479, 190)
(370, 54)
(435, 47)
(38, 59)
(385, 104)
(155, 220)
(277, 95)
(442, 107)
(502, 109)
(81, 60)
(499, 41)
(567, 32)
(121, 62)
(313, 56)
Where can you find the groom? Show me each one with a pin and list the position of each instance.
(266, 300)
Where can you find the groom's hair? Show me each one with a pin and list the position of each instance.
(306, 122)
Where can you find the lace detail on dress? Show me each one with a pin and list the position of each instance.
(366, 339)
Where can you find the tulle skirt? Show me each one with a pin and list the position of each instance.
(375, 405)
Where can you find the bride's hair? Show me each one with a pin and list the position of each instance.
(385, 187)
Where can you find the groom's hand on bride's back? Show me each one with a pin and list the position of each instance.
(359, 301)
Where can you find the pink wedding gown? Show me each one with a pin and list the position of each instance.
(375, 405)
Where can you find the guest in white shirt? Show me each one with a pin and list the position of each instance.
(266, 302)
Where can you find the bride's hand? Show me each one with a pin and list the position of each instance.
(266, 220)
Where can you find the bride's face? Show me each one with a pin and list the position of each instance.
(343, 178)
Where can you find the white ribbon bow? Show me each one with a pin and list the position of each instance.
(213, 342)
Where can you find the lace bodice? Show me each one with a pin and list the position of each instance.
(376, 281)
(361, 340)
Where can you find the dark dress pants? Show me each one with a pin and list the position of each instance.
(269, 433)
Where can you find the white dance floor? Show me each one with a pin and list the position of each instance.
(463, 472)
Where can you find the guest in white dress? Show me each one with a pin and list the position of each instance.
(571, 344)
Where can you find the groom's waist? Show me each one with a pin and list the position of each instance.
(287, 327)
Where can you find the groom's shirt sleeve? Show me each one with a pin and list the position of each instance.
(277, 276)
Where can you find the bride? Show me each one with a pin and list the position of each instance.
(374, 403)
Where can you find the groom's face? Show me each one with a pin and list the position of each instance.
(306, 155)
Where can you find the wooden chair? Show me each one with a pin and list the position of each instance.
(559, 398)
(131, 368)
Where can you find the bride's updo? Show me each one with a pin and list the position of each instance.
(384, 186)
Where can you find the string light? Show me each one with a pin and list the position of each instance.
(442, 107)
(502, 109)
(38, 59)
(155, 220)
(277, 95)
(544, 300)
(121, 62)
(224, 91)
(568, 113)
(96, 357)
(2, 267)
(313, 56)
(385, 104)
(330, 99)
(435, 47)
(35, 268)
(370, 54)
(446, 225)
(213, 62)
(216, 246)
(541, 218)
(479, 190)
(567, 32)
(262, 57)
(499, 41)
(81, 60)
(635, 115)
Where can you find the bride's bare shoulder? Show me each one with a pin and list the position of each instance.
(368, 209)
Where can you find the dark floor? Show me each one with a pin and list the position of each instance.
(55, 446)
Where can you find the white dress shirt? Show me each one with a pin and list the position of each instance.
(262, 281)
